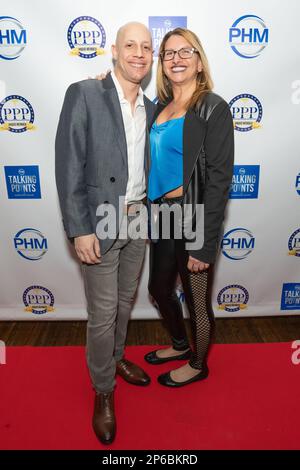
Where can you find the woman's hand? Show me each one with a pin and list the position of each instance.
(196, 266)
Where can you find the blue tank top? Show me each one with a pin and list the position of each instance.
(166, 171)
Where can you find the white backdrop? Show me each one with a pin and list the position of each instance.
(258, 269)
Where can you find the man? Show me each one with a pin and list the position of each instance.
(102, 154)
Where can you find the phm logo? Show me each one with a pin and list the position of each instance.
(31, 244)
(16, 114)
(248, 36)
(233, 298)
(294, 243)
(86, 37)
(298, 184)
(238, 243)
(13, 38)
(38, 300)
(246, 112)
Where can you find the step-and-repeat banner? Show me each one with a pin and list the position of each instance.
(254, 54)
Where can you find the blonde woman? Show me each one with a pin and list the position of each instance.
(192, 151)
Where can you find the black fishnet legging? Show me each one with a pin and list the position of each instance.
(167, 259)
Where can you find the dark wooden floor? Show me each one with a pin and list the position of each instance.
(229, 330)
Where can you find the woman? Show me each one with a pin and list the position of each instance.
(191, 163)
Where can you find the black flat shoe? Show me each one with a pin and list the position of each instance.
(165, 379)
(152, 358)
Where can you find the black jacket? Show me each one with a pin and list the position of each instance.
(208, 153)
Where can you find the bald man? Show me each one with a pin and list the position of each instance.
(102, 155)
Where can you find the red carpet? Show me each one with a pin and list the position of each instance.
(249, 401)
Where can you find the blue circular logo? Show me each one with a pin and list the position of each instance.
(16, 114)
(248, 36)
(237, 244)
(86, 37)
(13, 38)
(297, 185)
(246, 112)
(294, 243)
(233, 298)
(38, 300)
(30, 244)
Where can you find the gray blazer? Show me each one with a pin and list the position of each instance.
(91, 154)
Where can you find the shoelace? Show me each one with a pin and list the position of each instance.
(123, 363)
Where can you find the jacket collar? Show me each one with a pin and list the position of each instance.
(140, 95)
(113, 103)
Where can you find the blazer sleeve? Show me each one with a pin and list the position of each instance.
(70, 161)
(219, 151)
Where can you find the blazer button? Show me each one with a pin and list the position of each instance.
(112, 179)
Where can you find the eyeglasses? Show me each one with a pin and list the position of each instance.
(183, 53)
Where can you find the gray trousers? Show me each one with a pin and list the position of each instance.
(110, 288)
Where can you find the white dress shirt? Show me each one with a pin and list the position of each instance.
(135, 132)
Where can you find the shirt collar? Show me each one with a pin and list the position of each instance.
(140, 96)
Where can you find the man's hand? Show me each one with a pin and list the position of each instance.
(88, 249)
(102, 75)
(196, 266)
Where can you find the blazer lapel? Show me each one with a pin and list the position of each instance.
(149, 118)
(113, 103)
(149, 111)
(194, 131)
(159, 108)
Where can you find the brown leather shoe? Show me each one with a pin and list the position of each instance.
(132, 373)
(104, 421)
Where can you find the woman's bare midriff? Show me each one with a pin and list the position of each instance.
(175, 193)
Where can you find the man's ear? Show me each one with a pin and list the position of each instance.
(114, 51)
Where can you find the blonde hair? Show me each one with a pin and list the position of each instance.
(204, 80)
